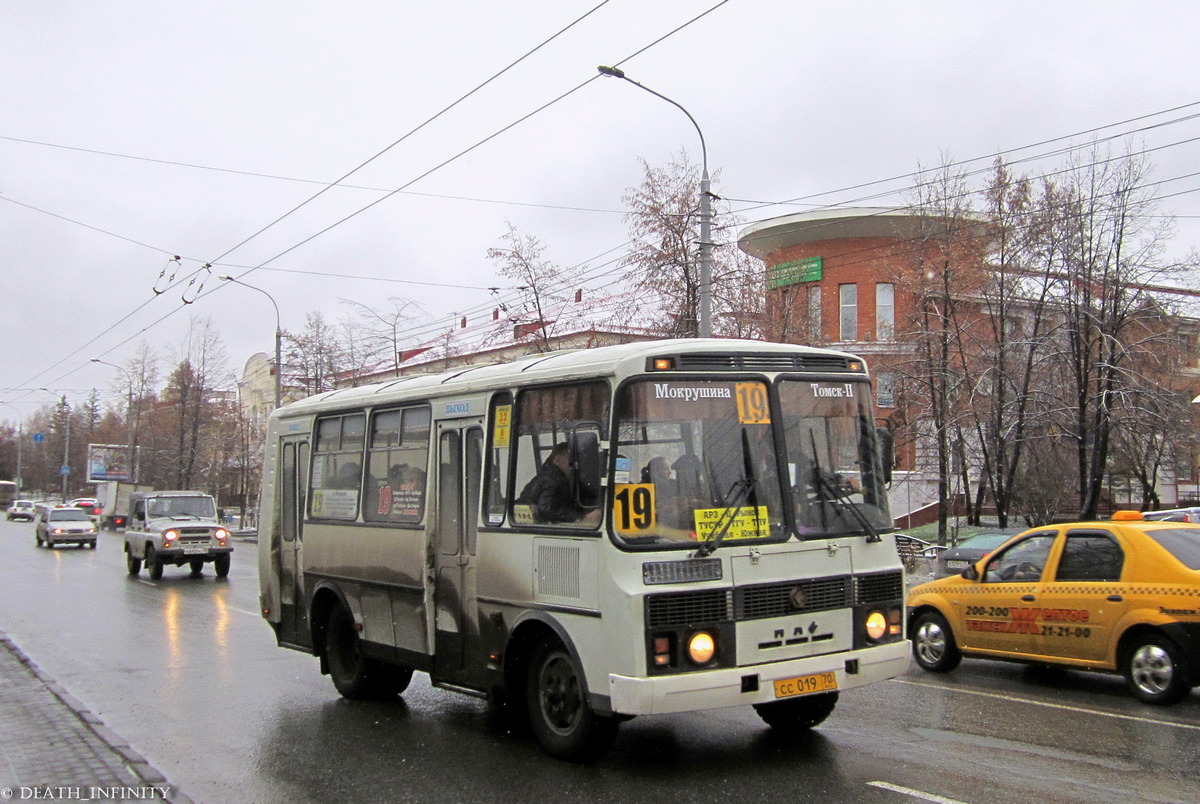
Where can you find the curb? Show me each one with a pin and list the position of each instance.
(145, 773)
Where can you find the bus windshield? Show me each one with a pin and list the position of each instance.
(695, 462)
(834, 474)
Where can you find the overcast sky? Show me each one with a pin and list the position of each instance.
(131, 132)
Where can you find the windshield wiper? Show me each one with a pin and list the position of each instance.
(834, 494)
(738, 493)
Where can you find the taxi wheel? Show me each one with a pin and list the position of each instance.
(1154, 670)
(933, 643)
(797, 714)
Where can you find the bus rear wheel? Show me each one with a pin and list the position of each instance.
(356, 675)
(797, 714)
(559, 715)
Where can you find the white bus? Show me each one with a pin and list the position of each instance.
(591, 535)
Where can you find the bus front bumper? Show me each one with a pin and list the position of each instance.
(742, 686)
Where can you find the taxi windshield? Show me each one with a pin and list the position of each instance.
(695, 462)
(833, 470)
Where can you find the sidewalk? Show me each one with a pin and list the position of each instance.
(52, 748)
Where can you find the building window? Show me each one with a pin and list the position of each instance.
(814, 313)
(885, 389)
(848, 327)
(885, 311)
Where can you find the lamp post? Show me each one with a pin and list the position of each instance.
(278, 337)
(130, 428)
(705, 312)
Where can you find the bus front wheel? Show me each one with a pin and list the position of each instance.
(559, 715)
(797, 714)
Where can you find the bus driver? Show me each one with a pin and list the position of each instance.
(551, 492)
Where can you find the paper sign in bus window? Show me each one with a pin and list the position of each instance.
(743, 523)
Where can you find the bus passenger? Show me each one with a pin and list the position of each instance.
(551, 492)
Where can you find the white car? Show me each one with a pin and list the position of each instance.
(20, 509)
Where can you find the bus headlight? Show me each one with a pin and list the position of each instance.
(877, 625)
(701, 647)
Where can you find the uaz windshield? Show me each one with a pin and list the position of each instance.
(198, 507)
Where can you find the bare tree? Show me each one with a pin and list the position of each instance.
(944, 271)
(190, 394)
(544, 285)
(380, 332)
(663, 264)
(1113, 247)
(315, 355)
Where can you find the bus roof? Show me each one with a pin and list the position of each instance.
(702, 354)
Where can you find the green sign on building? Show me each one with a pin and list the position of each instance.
(794, 272)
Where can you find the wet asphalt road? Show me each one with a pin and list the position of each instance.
(188, 673)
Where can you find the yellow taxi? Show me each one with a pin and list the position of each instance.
(1118, 596)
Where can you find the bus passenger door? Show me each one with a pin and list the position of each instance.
(293, 487)
(456, 657)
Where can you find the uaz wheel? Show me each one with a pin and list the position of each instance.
(134, 565)
(154, 567)
(933, 642)
(221, 565)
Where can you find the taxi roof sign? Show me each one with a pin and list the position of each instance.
(1127, 516)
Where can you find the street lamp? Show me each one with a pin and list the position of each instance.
(705, 323)
(131, 430)
(278, 337)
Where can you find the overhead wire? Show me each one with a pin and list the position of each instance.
(200, 293)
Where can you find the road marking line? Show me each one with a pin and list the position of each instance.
(243, 611)
(1048, 705)
(908, 791)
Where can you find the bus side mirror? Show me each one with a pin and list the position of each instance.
(585, 458)
(887, 453)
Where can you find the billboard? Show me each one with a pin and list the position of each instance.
(108, 462)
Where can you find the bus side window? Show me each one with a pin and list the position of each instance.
(496, 468)
(556, 428)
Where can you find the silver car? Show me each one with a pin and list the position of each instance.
(20, 509)
(64, 526)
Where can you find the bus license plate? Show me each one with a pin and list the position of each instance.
(802, 685)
